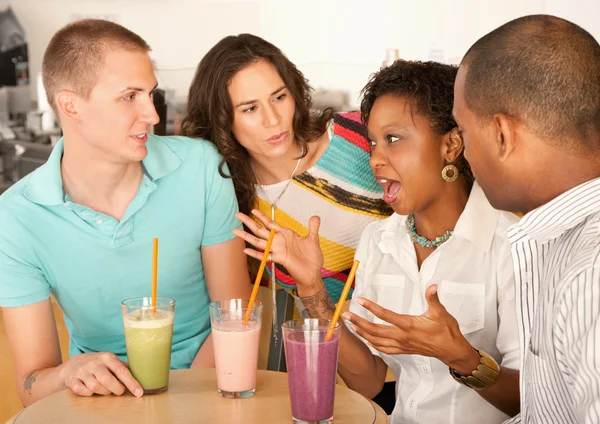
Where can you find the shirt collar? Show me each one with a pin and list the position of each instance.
(562, 213)
(477, 223)
(161, 160)
(45, 186)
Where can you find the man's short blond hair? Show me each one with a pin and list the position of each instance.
(76, 53)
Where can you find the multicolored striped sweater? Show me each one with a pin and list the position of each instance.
(341, 189)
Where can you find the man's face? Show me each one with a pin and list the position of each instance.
(482, 149)
(119, 112)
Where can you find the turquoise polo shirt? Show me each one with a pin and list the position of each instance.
(90, 262)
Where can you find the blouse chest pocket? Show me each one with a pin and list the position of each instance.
(388, 291)
(465, 302)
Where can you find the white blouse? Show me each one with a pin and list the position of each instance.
(474, 272)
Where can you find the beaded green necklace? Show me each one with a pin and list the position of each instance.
(422, 241)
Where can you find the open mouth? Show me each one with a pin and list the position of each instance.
(140, 138)
(391, 189)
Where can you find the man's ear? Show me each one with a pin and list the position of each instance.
(66, 105)
(452, 145)
(506, 135)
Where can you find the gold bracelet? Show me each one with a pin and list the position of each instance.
(484, 377)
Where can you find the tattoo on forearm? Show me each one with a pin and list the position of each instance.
(319, 305)
(29, 380)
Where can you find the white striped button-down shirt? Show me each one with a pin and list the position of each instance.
(556, 255)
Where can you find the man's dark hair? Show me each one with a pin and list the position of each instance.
(543, 71)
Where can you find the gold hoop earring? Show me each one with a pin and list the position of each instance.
(450, 173)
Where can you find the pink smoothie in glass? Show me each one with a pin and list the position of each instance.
(312, 369)
(236, 355)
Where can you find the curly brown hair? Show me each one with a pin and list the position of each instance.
(430, 87)
(210, 110)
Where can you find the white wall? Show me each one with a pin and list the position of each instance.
(348, 40)
(585, 13)
(336, 43)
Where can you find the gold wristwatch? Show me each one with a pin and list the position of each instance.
(483, 377)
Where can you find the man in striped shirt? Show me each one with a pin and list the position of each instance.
(527, 101)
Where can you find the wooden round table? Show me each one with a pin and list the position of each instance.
(193, 397)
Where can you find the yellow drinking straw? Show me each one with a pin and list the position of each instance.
(259, 275)
(154, 274)
(340, 305)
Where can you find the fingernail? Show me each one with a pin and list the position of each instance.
(138, 392)
(360, 301)
(353, 327)
(346, 316)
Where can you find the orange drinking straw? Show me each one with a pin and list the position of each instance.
(259, 275)
(154, 274)
(340, 305)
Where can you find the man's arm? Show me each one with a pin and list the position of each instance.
(226, 272)
(33, 340)
(576, 340)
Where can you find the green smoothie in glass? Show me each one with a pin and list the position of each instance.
(148, 337)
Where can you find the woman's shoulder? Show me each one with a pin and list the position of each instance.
(345, 162)
(349, 129)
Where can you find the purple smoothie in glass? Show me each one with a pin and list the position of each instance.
(312, 367)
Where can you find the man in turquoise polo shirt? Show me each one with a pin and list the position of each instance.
(81, 226)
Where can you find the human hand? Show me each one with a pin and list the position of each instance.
(99, 373)
(301, 256)
(435, 333)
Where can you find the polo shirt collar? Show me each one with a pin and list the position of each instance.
(45, 186)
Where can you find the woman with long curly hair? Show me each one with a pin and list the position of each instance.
(286, 159)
